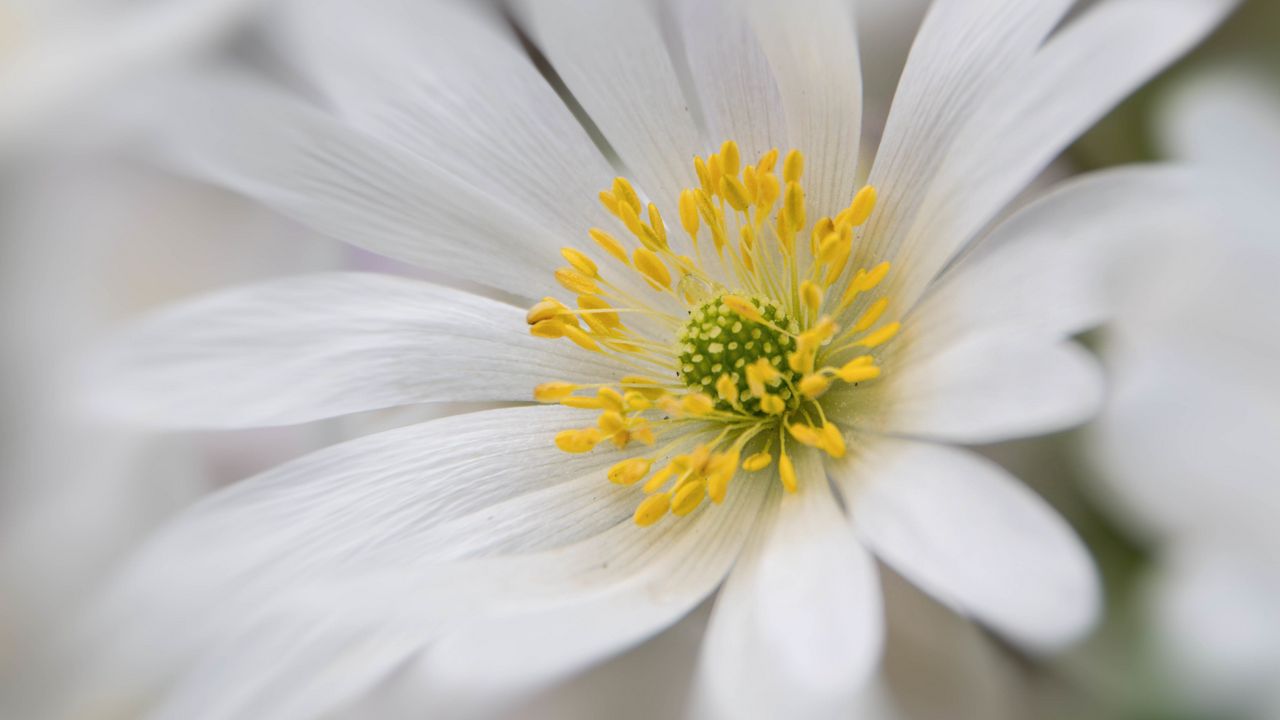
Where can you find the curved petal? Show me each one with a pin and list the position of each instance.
(962, 50)
(316, 346)
(970, 535)
(613, 57)
(630, 584)
(798, 629)
(984, 388)
(1036, 111)
(448, 83)
(236, 132)
(740, 96)
(1053, 268)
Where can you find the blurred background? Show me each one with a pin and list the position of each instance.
(92, 235)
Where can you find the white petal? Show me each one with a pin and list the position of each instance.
(798, 629)
(1032, 114)
(962, 50)
(1191, 122)
(970, 535)
(621, 588)
(613, 57)
(449, 84)
(740, 97)
(1052, 268)
(235, 132)
(316, 346)
(984, 388)
(812, 50)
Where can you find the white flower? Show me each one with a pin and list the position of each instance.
(1187, 441)
(499, 562)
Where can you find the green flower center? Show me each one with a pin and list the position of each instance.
(716, 341)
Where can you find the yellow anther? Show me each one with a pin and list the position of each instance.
(833, 440)
(854, 372)
(821, 230)
(597, 303)
(689, 212)
(610, 244)
(729, 157)
(727, 390)
(550, 329)
(580, 262)
(862, 206)
(575, 281)
(787, 472)
(611, 422)
(609, 201)
(661, 477)
(794, 206)
(759, 461)
(793, 167)
(768, 189)
(874, 276)
(751, 184)
(649, 265)
(658, 227)
(555, 391)
(811, 296)
(611, 398)
(642, 432)
(688, 498)
(806, 434)
(636, 401)
(544, 310)
(648, 387)
(880, 336)
(772, 404)
(812, 386)
(582, 403)
(767, 161)
(744, 249)
(720, 470)
(715, 167)
(580, 338)
(743, 307)
(632, 221)
(697, 404)
(871, 315)
(578, 441)
(704, 174)
(629, 472)
(653, 509)
(625, 193)
(734, 192)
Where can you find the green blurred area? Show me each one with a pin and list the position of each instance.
(1249, 39)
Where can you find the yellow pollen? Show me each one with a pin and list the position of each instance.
(744, 342)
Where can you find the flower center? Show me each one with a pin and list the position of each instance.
(717, 342)
(750, 328)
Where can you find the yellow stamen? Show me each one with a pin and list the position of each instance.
(653, 509)
(610, 244)
(787, 473)
(759, 461)
(580, 262)
(629, 472)
(652, 268)
(555, 391)
(578, 441)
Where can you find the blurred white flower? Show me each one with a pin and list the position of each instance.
(1187, 443)
(475, 548)
(58, 55)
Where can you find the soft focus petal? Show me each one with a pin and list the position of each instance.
(613, 57)
(236, 132)
(317, 346)
(798, 628)
(973, 537)
(1037, 110)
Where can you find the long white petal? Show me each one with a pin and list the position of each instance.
(985, 388)
(962, 50)
(798, 628)
(1033, 113)
(448, 84)
(236, 132)
(966, 532)
(608, 594)
(317, 346)
(613, 57)
(740, 96)
(1053, 268)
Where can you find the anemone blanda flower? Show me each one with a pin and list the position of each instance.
(1193, 472)
(768, 359)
